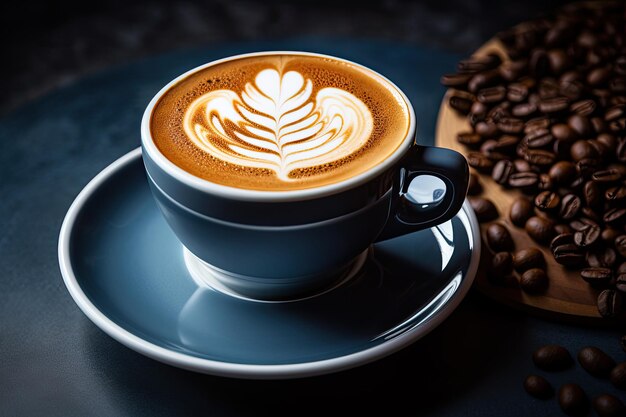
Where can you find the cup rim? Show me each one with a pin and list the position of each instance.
(243, 194)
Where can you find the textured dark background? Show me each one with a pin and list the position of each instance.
(50, 44)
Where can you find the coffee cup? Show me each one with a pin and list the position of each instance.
(280, 244)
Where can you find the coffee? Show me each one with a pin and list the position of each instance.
(280, 122)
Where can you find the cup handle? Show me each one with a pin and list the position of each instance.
(407, 215)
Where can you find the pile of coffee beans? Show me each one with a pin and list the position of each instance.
(572, 397)
(549, 119)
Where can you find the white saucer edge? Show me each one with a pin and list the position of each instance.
(246, 371)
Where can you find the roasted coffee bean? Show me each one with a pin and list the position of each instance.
(562, 172)
(596, 361)
(584, 107)
(461, 104)
(489, 148)
(547, 201)
(598, 76)
(618, 126)
(540, 229)
(618, 376)
(598, 125)
(554, 105)
(581, 149)
(483, 79)
(552, 358)
(478, 110)
(563, 132)
(619, 167)
(620, 245)
(597, 277)
(537, 123)
(581, 125)
(609, 235)
(538, 387)
(616, 193)
(558, 61)
(587, 236)
(520, 211)
(620, 282)
(491, 95)
(510, 125)
(590, 213)
(540, 157)
(573, 400)
(570, 206)
(474, 186)
(499, 112)
(545, 182)
(606, 176)
(524, 110)
(571, 89)
(559, 34)
(455, 80)
(498, 237)
(614, 113)
(534, 281)
(502, 171)
(561, 239)
(523, 180)
(610, 305)
(469, 139)
(569, 255)
(484, 209)
(591, 194)
(528, 258)
(603, 151)
(522, 165)
(479, 162)
(586, 167)
(548, 89)
(501, 266)
(621, 151)
(538, 138)
(578, 182)
(607, 405)
(486, 129)
(478, 63)
(512, 70)
(614, 216)
(582, 223)
(561, 149)
(506, 143)
(602, 257)
(621, 269)
(563, 228)
(538, 63)
(517, 92)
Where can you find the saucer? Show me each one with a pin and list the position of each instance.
(126, 270)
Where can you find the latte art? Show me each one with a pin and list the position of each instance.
(277, 124)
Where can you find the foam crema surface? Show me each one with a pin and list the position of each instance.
(279, 122)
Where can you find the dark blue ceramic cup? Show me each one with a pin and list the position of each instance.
(273, 245)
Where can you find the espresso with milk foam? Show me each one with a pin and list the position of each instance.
(279, 122)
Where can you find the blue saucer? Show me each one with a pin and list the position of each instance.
(126, 271)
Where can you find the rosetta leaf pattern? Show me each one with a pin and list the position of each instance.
(275, 123)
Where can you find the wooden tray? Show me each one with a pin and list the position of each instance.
(568, 296)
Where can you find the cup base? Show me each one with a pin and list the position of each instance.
(267, 289)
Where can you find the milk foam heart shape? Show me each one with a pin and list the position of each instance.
(276, 123)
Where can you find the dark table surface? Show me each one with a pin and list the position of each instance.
(55, 362)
